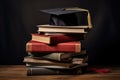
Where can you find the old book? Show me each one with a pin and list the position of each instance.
(66, 57)
(53, 39)
(67, 47)
(58, 26)
(55, 70)
(55, 29)
(36, 71)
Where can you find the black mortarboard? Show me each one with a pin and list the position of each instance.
(66, 17)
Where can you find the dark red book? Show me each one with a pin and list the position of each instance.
(53, 39)
(73, 47)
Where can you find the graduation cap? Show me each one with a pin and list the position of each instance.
(68, 16)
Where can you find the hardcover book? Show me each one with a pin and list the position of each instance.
(53, 39)
(47, 28)
(65, 57)
(36, 71)
(56, 70)
(58, 26)
(66, 47)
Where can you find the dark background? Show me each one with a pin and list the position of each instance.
(18, 19)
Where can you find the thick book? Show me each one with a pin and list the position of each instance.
(57, 29)
(58, 56)
(67, 47)
(53, 39)
(35, 71)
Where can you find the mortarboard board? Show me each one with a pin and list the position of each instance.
(68, 16)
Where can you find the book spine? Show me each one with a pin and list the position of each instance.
(32, 71)
(74, 47)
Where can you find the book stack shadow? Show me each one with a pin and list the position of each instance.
(56, 50)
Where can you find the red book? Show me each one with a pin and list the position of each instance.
(73, 47)
(53, 39)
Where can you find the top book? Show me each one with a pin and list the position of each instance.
(69, 17)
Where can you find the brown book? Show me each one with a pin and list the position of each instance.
(61, 29)
(66, 47)
(53, 39)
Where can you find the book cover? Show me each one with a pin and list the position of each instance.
(65, 57)
(58, 26)
(53, 39)
(56, 70)
(37, 71)
(67, 47)
(61, 30)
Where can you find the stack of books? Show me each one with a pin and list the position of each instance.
(56, 50)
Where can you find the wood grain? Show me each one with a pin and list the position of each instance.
(18, 72)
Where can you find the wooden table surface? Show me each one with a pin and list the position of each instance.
(18, 72)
